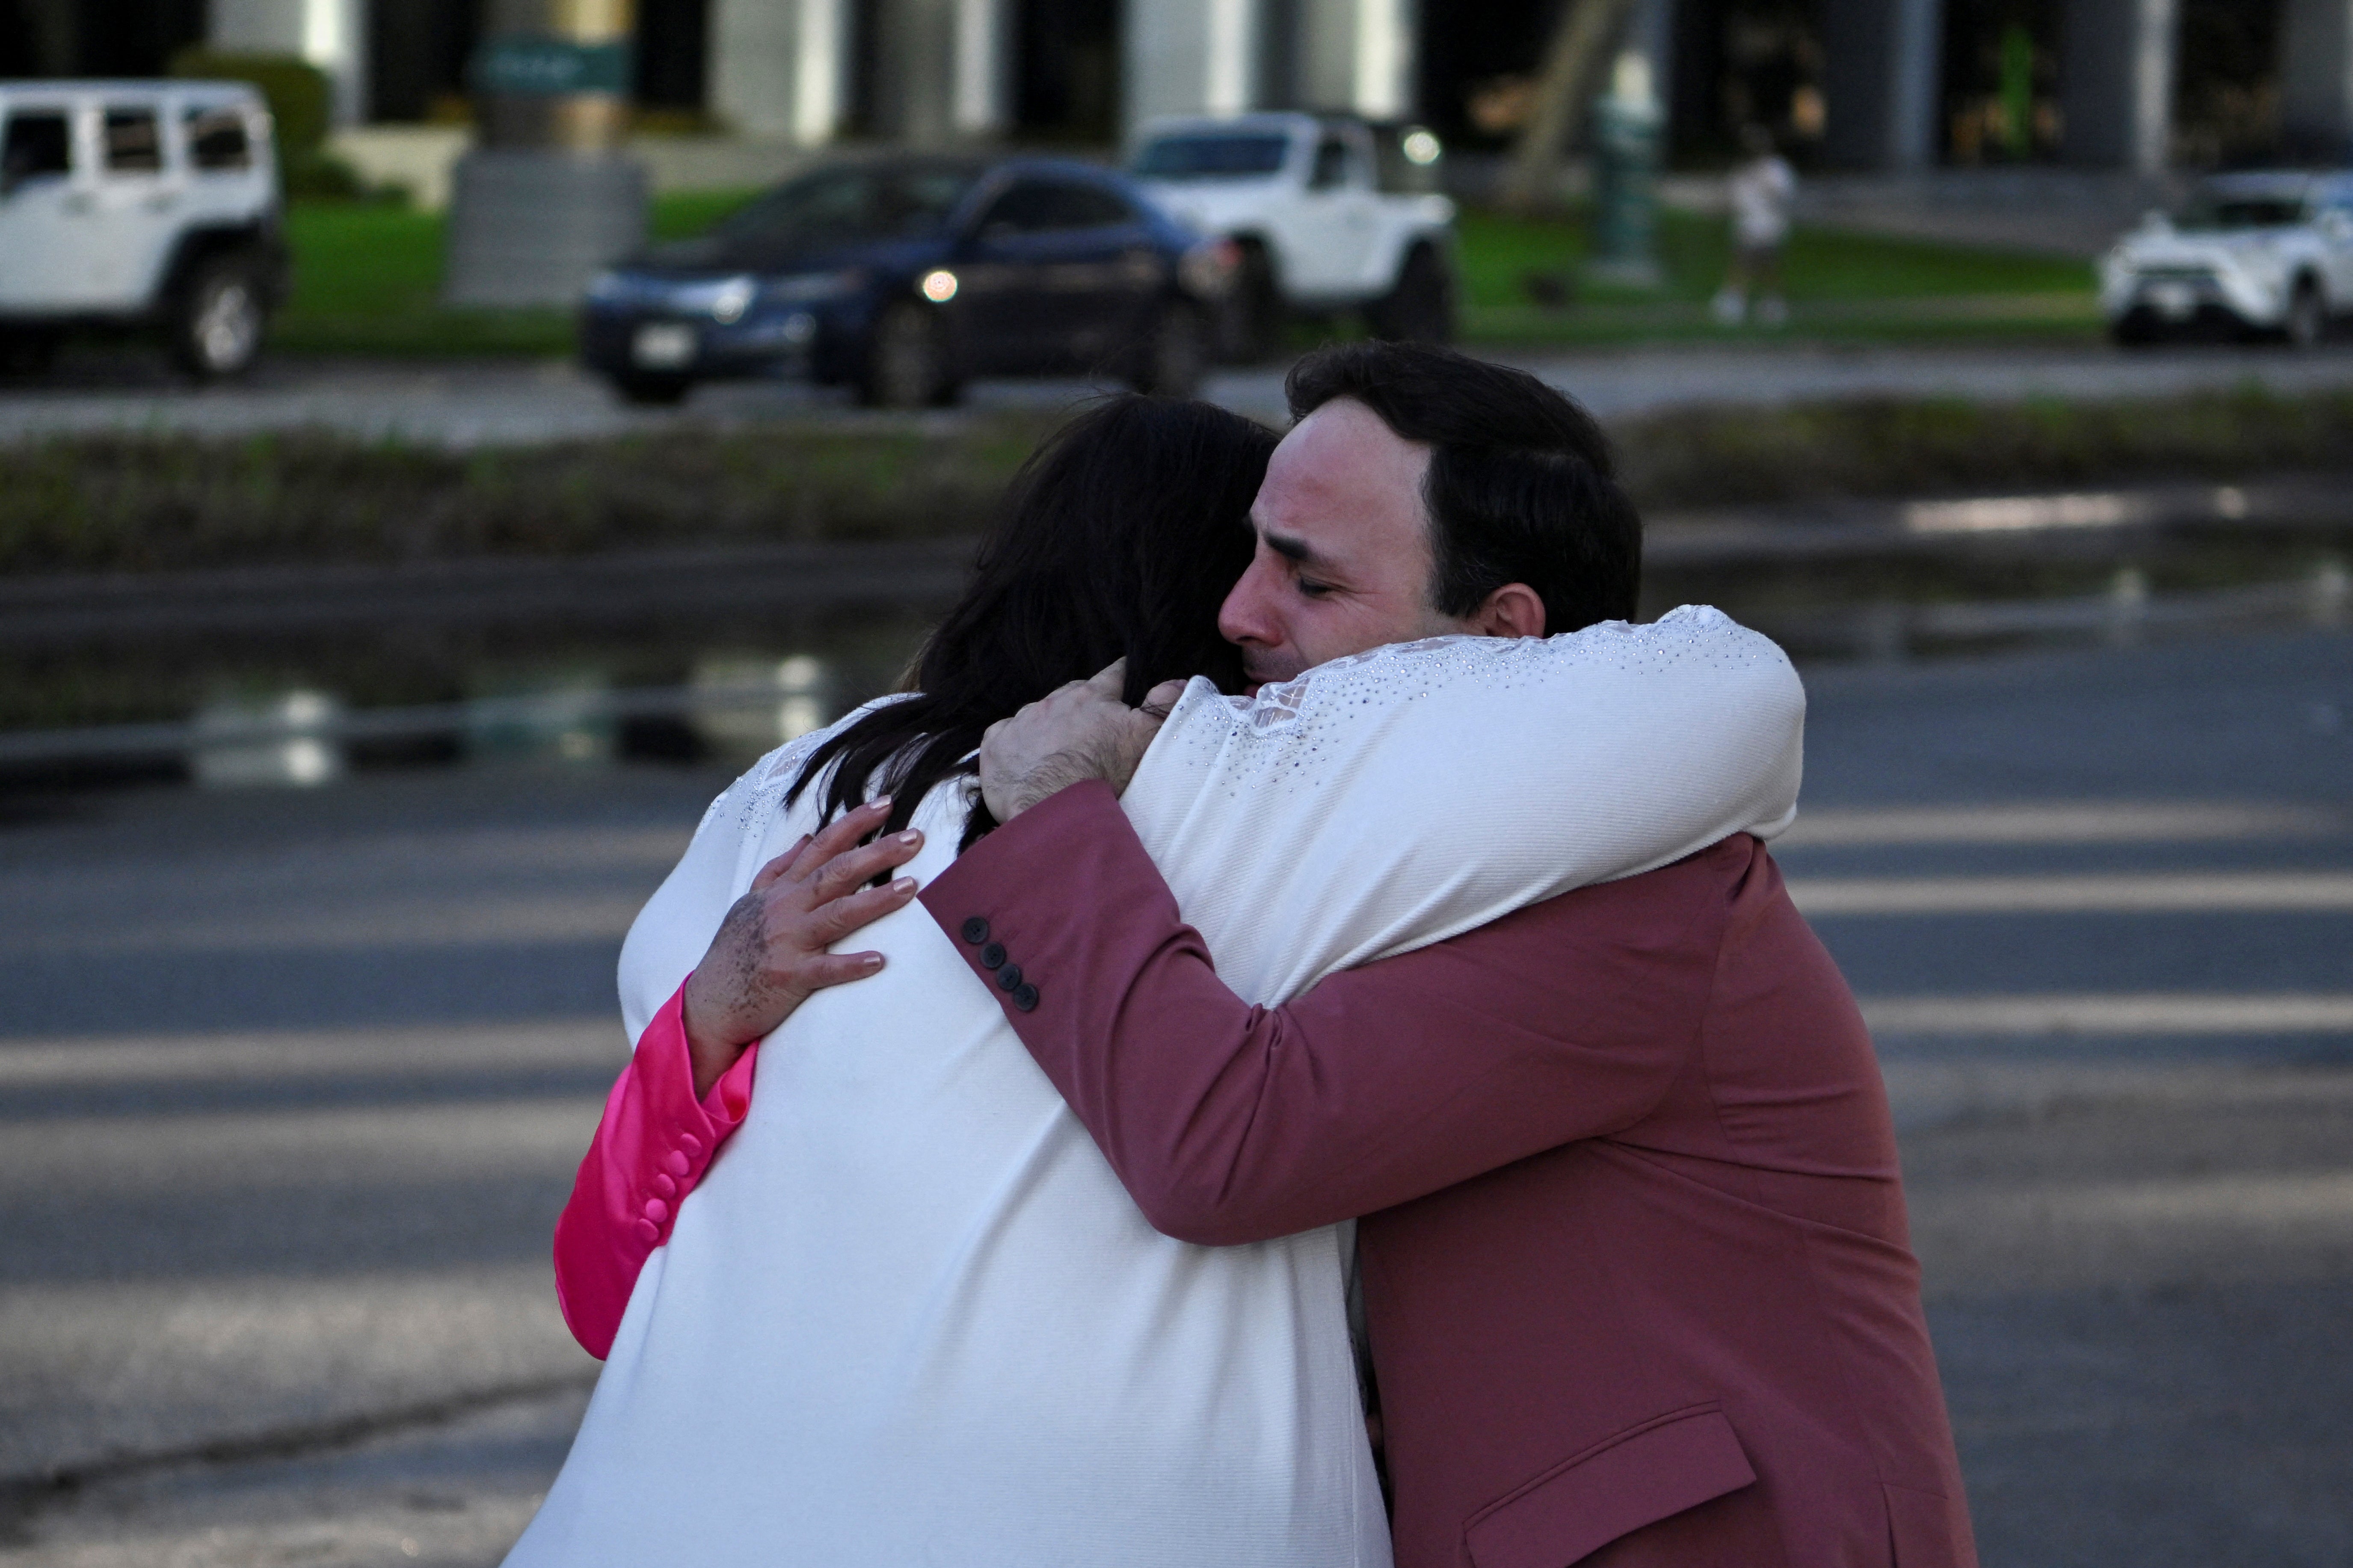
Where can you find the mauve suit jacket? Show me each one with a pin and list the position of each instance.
(1635, 1269)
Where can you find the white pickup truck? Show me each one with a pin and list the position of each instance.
(1327, 213)
(149, 205)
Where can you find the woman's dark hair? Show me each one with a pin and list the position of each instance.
(1521, 486)
(1120, 536)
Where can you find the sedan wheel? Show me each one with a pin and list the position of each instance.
(217, 329)
(906, 362)
(1177, 353)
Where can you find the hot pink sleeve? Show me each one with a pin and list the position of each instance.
(654, 1143)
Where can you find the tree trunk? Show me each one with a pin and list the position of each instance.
(1571, 71)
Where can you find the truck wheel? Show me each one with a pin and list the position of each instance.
(651, 391)
(27, 353)
(2306, 321)
(1420, 308)
(1170, 362)
(1252, 320)
(217, 321)
(906, 364)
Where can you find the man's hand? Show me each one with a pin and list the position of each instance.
(1082, 731)
(770, 954)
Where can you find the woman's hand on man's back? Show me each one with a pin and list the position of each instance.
(771, 953)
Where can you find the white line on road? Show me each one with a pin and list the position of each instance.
(2164, 892)
(2144, 1012)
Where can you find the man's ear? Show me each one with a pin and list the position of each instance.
(1513, 610)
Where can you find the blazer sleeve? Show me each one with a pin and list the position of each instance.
(1231, 1124)
(651, 1148)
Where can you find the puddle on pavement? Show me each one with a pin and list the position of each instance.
(298, 710)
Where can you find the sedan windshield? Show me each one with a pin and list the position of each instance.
(1209, 157)
(847, 206)
(2217, 209)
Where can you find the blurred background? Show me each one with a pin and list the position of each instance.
(442, 441)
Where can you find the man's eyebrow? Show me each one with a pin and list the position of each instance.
(1292, 548)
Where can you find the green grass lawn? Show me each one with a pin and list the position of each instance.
(1838, 284)
(367, 280)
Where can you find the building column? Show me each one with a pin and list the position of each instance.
(1187, 57)
(1357, 56)
(943, 71)
(2116, 65)
(329, 34)
(2316, 78)
(780, 71)
(1880, 83)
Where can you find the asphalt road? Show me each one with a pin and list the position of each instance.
(471, 402)
(293, 1084)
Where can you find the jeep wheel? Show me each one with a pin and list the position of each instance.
(1169, 364)
(2306, 321)
(1420, 308)
(27, 353)
(652, 391)
(907, 361)
(218, 324)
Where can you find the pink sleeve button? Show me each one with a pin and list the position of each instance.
(665, 1187)
(657, 1210)
(674, 1163)
(692, 1144)
(648, 1231)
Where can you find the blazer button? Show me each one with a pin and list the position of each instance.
(690, 1144)
(975, 930)
(993, 956)
(1009, 977)
(656, 1210)
(1025, 999)
(649, 1232)
(674, 1163)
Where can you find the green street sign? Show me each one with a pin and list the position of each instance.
(525, 66)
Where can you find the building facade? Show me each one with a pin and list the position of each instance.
(1887, 85)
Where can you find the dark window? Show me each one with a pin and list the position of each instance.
(132, 143)
(1210, 157)
(1036, 207)
(38, 145)
(1331, 163)
(2211, 209)
(216, 139)
(840, 207)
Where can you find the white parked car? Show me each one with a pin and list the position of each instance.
(2265, 255)
(1327, 213)
(143, 204)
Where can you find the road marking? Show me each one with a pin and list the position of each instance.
(2144, 1012)
(2162, 892)
(2060, 822)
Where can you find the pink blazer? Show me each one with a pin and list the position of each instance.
(1633, 1250)
(652, 1146)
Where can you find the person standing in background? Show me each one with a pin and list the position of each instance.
(1762, 189)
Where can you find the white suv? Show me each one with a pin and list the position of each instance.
(1327, 212)
(149, 204)
(2251, 255)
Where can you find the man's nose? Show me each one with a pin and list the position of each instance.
(1242, 617)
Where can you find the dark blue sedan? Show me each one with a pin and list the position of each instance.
(904, 276)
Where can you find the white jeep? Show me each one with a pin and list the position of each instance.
(1327, 214)
(142, 204)
(2251, 255)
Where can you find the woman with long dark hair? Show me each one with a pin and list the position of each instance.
(910, 1315)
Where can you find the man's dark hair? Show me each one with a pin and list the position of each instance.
(1521, 486)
